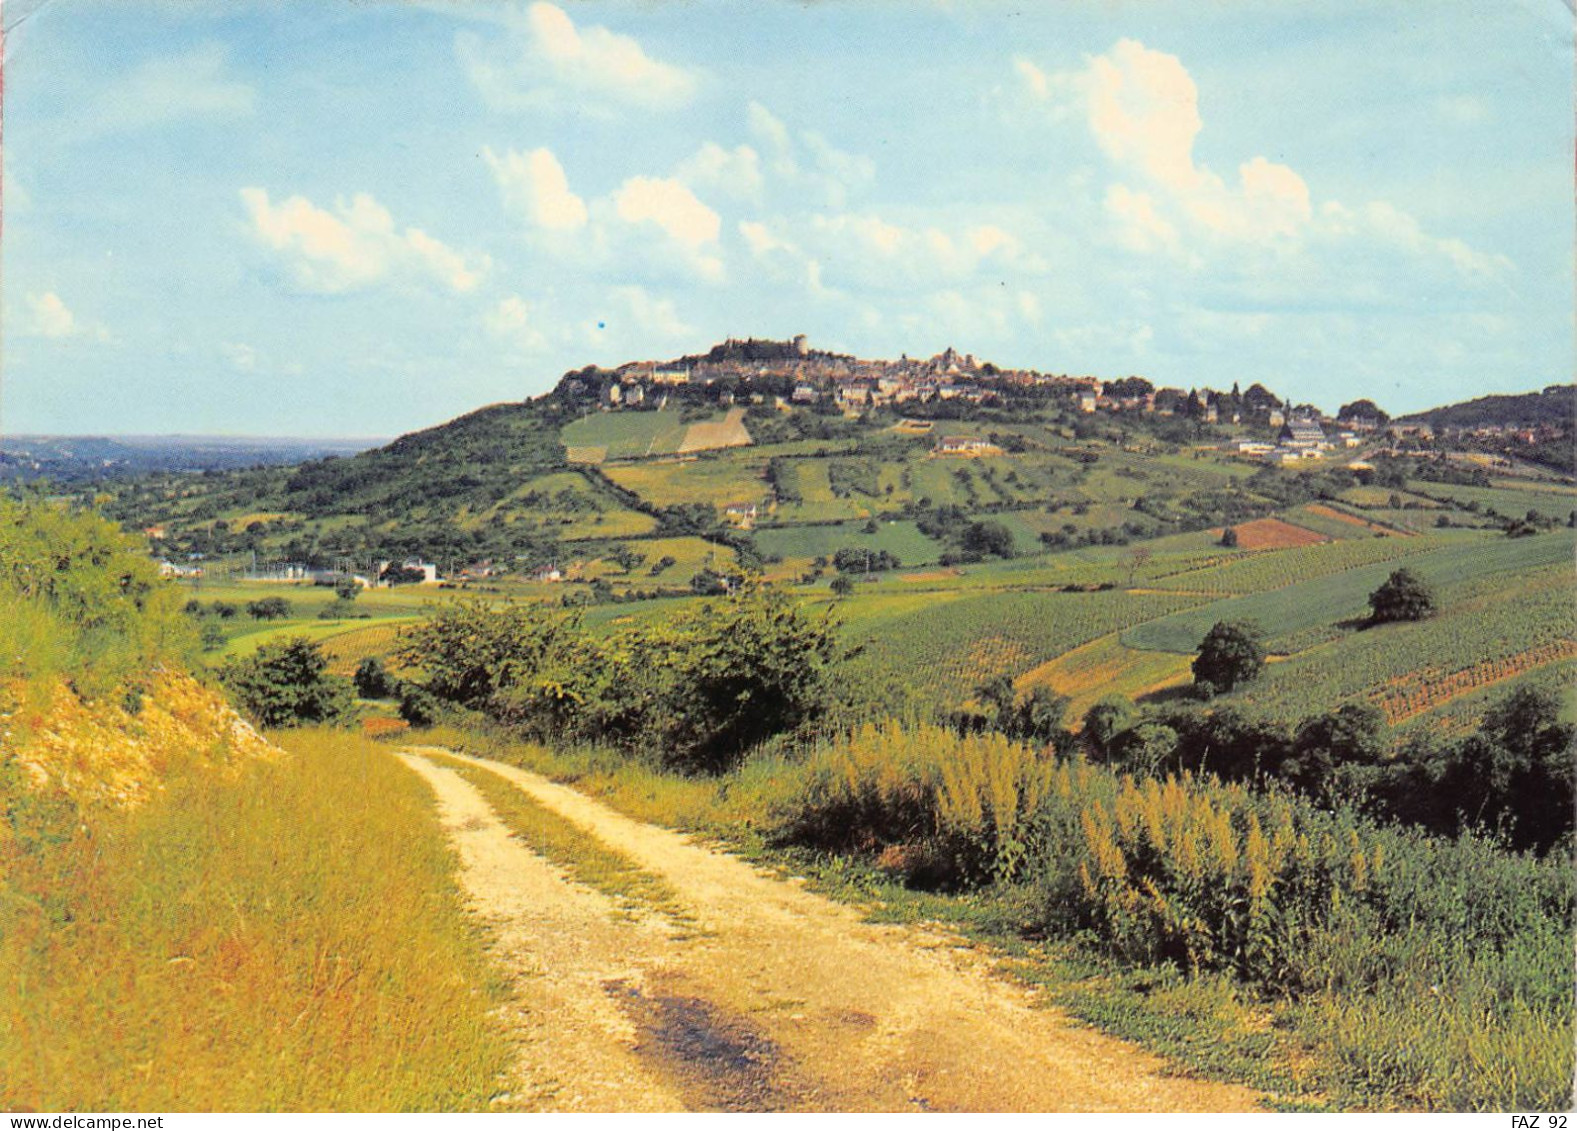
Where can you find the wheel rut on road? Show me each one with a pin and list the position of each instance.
(776, 999)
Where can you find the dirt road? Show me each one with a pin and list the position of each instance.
(770, 997)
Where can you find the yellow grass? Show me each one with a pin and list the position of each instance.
(690, 555)
(1106, 667)
(726, 433)
(292, 940)
(716, 481)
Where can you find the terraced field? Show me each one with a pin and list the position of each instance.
(900, 538)
(1410, 669)
(942, 652)
(715, 480)
(1106, 667)
(623, 435)
(1339, 596)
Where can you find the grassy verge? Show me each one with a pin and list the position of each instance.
(286, 938)
(1397, 990)
(585, 857)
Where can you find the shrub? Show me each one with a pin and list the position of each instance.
(268, 608)
(286, 683)
(1231, 653)
(1404, 596)
(372, 679)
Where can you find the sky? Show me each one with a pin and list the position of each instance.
(341, 218)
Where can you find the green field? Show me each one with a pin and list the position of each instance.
(1405, 666)
(900, 538)
(624, 435)
(1344, 596)
(718, 480)
(941, 652)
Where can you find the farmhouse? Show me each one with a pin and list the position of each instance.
(742, 515)
(547, 573)
(1302, 434)
(963, 446)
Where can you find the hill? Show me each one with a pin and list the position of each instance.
(1537, 427)
(1553, 406)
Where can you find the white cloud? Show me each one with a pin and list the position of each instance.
(1463, 109)
(875, 251)
(545, 62)
(182, 87)
(534, 185)
(809, 164)
(355, 246)
(511, 321)
(1139, 227)
(657, 222)
(1142, 108)
(650, 315)
(51, 318)
(48, 316)
(736, 172)
(671, 206)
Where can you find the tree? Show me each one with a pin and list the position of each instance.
(628, 559)
(1103, 722)
(983, 538)
(402, 575)
(731, 674)
(1403, 597)
(1231, 653)
(268, 608)
(286, 683)
(372, 679)
(1364, 409)
(346, 588)
(1229, 537)
(842, 586)
(709, 583)
(1332, 753)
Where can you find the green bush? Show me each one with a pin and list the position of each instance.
(285, 683)
(80, 599)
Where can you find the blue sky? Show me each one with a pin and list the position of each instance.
(360, 218)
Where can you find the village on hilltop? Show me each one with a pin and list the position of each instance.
(792, 374)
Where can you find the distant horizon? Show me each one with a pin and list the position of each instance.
(372, 441)
(252, 219)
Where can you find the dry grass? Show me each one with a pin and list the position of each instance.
(1273, 534)
(292, 940)
(1106, 667)
(729, 432)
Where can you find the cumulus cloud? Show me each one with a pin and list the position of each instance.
(671, 206)
(51, 317)
(807, 161)
(874, 251)
(544, 61)
(241, 356)
(650, 315)
(657, 221)
(533, 184)
(355, 246)
(48, 316)
(510, 321)
(1142, 108)
(735, 172)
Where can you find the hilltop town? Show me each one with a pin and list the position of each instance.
(791, 373)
